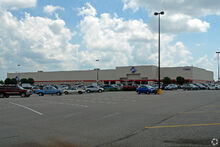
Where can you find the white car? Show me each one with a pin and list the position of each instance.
(217, 87)
(211, 87)
(73, 90)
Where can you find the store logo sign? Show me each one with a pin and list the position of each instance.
(187, 68)
(133, 70)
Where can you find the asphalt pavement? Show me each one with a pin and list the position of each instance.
(112, 119)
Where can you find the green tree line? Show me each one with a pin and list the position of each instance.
(14, 81)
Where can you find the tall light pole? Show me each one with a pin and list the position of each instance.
(159, 13)
(218, 66)
(97, 73)
(18, 76)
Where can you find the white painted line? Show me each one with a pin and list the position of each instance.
(85, 106)
(111, 115)
(72, 114)
(26, 108)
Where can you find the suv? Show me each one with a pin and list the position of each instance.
(8, 90)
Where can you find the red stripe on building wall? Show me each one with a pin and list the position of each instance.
(125, 80)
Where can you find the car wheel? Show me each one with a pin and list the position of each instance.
(100, 91)
(23, 94)
(58, 93)
(40, 94)
(7, 96)
(2, 95)
(80, 92)
(66, 92)
(139, 92)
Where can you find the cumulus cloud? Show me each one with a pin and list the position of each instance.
(126, 42)
(87, 10)
(16, 4)
(36, 43)
(49, 9)
(180, 15)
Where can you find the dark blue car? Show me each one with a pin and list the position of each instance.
(146, 89)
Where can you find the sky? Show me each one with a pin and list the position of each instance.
(55, 35)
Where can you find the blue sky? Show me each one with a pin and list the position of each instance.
(53, 35)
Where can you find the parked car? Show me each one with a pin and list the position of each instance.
(217, 87)
(211, 87)
(94, 89)
(73, 90)
(201, 86)
(190, 87)
(146, 89)
(171, 87)
(110, 88)
(129, 88)
(48, 90)
(9, 90)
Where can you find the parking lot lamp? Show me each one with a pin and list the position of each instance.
(218, 66)
(97, 73)
(158, 14)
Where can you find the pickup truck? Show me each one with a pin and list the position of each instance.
(11, 90)
(48, 90)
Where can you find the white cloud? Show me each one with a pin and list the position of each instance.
(51, 9)
(119, 42)
(206, 62)
(87, 10)
(37, 43)
(16, 4)
(180, 15)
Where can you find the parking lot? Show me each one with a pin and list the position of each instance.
(175, 118)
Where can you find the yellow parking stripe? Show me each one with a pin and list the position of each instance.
(186, 125)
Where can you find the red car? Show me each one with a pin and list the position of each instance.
(8, 90)
(129, 88)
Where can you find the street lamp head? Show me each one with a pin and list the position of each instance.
(217, 52)
(156, 13)
(162, 12)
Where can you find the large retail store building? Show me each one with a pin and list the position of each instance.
(125, 74)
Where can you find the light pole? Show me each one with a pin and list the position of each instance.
(218, 66)
(159, 13)
(97, 73)
(18, 76)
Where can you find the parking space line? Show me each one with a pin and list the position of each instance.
(185, 125)
(25, 107)
(195, 112)
(61, 103)
(111, 115)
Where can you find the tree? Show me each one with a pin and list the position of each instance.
(10, 81)
(23, 80)
(14, 81)
(31, 81)
(180, 80)
(1, 82)
(7, 81)
(166, 80)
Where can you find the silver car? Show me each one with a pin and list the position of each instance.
(94, 89)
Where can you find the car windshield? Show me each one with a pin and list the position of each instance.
(20, 87)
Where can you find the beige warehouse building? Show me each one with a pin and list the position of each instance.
(125, 74)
